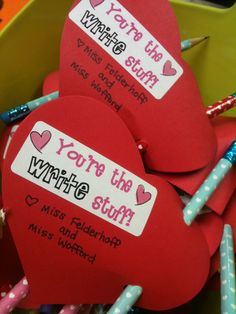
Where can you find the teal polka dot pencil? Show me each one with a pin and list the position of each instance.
(126, 300)
(227, 272)
(205, 191)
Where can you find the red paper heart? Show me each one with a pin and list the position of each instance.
(169, 259)
(212, 227)
(175, 128)
(6, 138)
(225, 129)
(51, 83)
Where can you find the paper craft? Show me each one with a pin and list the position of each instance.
(128, 56)
(83, 201)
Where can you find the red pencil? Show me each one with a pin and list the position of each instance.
(221, 106)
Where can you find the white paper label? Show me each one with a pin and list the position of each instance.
(112, 27)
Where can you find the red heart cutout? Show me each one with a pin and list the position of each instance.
(215, 265)
(10, 265)
(169, 259)
(225, 129)
(212, 227)
(175, 127)
(6, 138)
(51, 83)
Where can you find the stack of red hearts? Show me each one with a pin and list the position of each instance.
(86, 215)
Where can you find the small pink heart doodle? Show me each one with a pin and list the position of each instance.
(142, 197)
(95, 3)
(40, 140)
(168, 70)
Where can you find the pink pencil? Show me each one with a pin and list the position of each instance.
(74, 309)
(14, 296)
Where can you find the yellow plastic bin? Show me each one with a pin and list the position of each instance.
(29, 49)
(214, 61)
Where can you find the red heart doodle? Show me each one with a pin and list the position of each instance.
(121, 64)
(142, 196)
(40, 140)
(86, 240)
(168, 70)
(95, 3)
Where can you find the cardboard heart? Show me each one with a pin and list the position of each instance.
(109, 52)
(91, 252)
(225, 129)
(212, 227)
(51, 83)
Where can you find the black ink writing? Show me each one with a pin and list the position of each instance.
(93, 233)
(120, 78)
(106, 95)
(80, 70)
(52, 211)
(103, 33)
(41, 231)
(68, 233)
(56, 177)
(76, 249)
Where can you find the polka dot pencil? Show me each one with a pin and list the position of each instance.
(199, 199)
(14, 296)
(70, 309)
(126, 300)
(227, 272)
(221, 106)
(24, 109)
